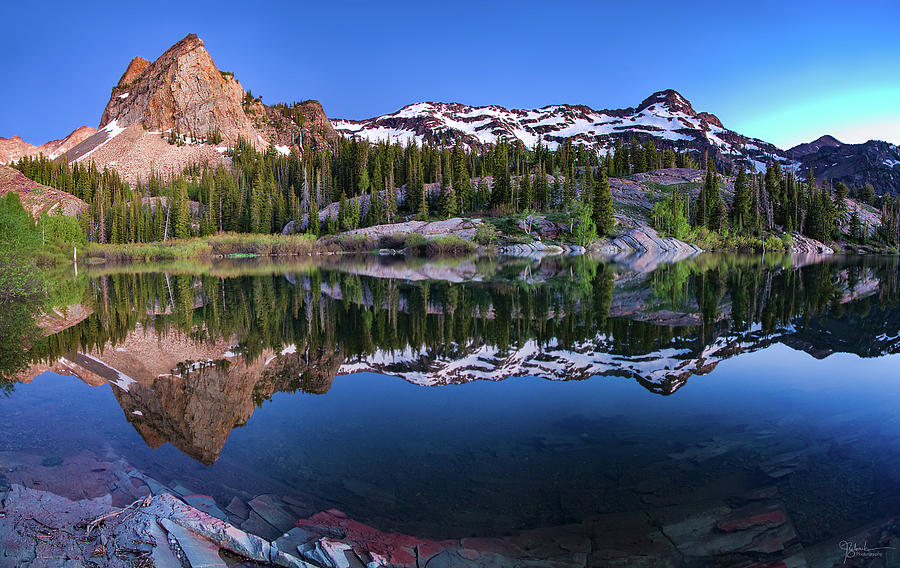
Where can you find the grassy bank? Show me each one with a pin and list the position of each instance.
(217, 246)
(237, 245)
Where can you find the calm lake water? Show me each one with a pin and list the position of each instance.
(480, 398)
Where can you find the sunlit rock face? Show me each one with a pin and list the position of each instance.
(183, 90)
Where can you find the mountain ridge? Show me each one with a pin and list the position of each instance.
(665, 116)
(183, 96)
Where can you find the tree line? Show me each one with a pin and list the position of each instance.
(354, 183)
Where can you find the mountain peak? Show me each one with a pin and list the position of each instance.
(805, 149)
(183, 90)
(186, 44)
(134, 70)
(828, 140)
(669, 98)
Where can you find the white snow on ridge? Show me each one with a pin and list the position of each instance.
(283, 150)
(124, 95)
(551, 124)
(545, 125)
(112, 130)
(122, 381)
(548, 361)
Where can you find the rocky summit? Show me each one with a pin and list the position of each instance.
(177, 110)
(184, 91)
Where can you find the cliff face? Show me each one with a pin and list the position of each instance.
(181, 90)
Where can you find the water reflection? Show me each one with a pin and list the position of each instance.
(191, 355)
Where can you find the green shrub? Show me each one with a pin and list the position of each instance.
(356, 243)
(773, 243)
(394, 241)
(449, 245)
(486, 234)
(415, 241)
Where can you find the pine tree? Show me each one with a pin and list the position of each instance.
(501, 190)
(621, 160)
(390, 202)
(527, 191)
(638, 158)
(602, 206)
(448, 201)
(461, 182)
(376, 209)
(714, 206)
(484, 193)
(423, 202)
(669, 158)
(314, 215)
(587, 182)
(740, 208)
(343, 213)
(540, 188)
(182, 211)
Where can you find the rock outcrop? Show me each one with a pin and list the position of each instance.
(642, 249)
(11, 149)
(463, 228)
(182, 90)
(801, 244)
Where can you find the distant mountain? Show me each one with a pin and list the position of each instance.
(11, 149)
(801, 150)
(665, 116)
(874, 162)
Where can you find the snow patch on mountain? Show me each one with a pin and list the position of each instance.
(666, 116)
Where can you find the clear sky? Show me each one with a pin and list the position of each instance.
(784, 71)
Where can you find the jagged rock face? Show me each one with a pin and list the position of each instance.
(134, 70)
(665, 115)
(183, 90)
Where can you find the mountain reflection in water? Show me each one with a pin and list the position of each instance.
(192, 355)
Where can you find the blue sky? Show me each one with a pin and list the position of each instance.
(783, 71)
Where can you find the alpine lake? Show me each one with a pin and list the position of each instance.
(717, 411)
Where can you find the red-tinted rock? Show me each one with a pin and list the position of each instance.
(769, 518)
